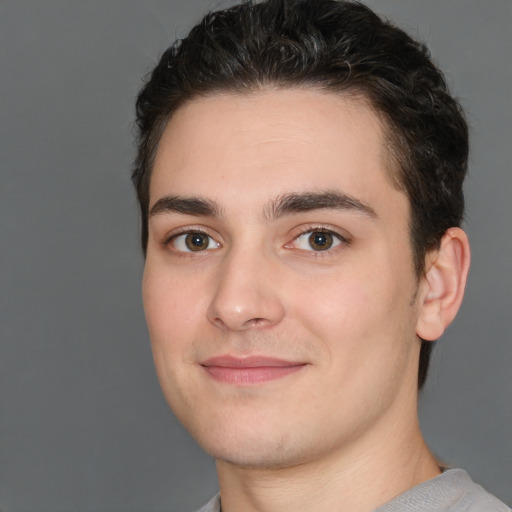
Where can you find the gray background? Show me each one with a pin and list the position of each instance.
(83, 426)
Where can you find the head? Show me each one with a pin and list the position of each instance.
(299, 175)
(338, 47)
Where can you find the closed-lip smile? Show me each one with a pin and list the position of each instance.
(249, 370)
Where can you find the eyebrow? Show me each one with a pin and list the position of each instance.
(286, 204)
(186, 205)
(321, 200)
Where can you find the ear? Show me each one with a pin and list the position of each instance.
(442, 285)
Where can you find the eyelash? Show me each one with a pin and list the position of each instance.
(174, 236)
(308, 230)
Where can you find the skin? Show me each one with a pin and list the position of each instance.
(349, 315)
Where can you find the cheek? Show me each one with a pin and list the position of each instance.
(364, 329)
(171, 307)
(363, 311)
(335, 304)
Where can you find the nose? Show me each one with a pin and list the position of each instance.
(246, 294)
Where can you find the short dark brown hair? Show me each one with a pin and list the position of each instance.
(337, 46)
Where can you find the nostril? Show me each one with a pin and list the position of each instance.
(248, 324)
(255, 322)
(218, 322)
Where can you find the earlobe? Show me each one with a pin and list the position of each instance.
(443, 284)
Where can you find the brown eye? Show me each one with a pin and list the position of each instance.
(320, 240)
(193, 242)
(197, 241)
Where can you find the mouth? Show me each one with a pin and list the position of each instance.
(249, 370)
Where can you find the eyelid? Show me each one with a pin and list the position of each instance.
(189, 230)
(305, 230)
(344, 239)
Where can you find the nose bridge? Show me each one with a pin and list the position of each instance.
(246, 293)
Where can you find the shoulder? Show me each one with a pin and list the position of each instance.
(212, 506)
(476, 499)
(452, 491)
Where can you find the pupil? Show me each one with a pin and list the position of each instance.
(196, 241)
(320, 241)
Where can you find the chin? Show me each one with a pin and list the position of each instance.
(256, 459)
(263, 449)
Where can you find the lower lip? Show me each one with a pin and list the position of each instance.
(250, 375)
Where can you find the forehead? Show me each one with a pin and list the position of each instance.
(289, 139)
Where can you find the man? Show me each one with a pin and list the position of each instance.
(299, 172)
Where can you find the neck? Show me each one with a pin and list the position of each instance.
(359, 478)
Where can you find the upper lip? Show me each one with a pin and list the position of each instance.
(252, 361)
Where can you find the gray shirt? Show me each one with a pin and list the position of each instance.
(452, 491)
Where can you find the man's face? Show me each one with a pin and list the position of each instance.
(279, 287)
